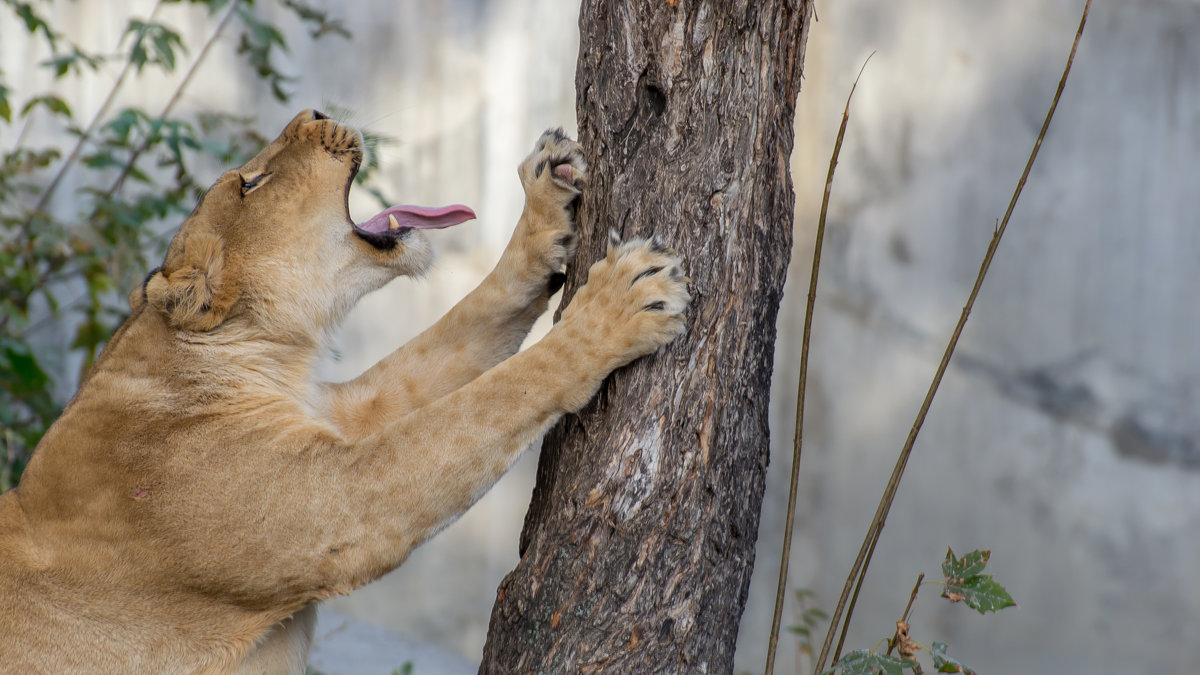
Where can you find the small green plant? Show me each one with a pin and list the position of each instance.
(965, 582)
(808, 618)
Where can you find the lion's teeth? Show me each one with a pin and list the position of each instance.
(392, 222)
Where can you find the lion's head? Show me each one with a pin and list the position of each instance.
(271, 244)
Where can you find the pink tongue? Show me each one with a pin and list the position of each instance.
(418, 217)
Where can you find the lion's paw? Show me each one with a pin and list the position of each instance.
(553, 175)
(633, 302)
(555, 169)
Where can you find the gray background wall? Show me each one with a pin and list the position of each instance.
(1066, 437)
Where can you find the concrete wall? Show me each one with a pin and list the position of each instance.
(1066, 437)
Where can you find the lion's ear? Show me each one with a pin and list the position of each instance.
(193, 290)
(137, 297)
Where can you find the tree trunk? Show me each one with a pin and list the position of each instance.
(639, 541)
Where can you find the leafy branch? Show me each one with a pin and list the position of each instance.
(135, 182)
(965, 582)
(83, 138)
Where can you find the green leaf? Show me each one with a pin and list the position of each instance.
(321, 23)
(967, 566)
(282, 95)
(21, 371)
(50, 102)
(214, 6)
(123, 124)
(140, 176)
(257, 44)
(90, 334)
(945, 664)
(32, 21)
(5, 107)
(61, 65)
(864, 662)
(980, 592)
(35, 23)
(815, 614)
(799, 630)
(75, 60)
(101, 160)
(965, 583)
(153, 44)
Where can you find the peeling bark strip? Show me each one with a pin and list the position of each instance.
(639, 541)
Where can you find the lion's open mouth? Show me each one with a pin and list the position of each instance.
(399, 219)
(387, 227)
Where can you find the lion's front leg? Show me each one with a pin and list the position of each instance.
(389, 491)
(491, 322)
(553, 176)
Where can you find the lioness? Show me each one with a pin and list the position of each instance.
(201, 492)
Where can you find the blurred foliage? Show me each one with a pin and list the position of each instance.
(809, 618)
(66, 270)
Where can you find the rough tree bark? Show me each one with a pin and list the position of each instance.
(639, 541)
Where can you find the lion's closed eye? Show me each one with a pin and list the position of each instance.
(250, 183)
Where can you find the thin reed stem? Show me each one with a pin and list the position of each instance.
(798, 442)
(858, 570)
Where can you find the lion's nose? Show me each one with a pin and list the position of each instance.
(318, 115)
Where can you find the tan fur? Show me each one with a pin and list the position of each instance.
(201, 492)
